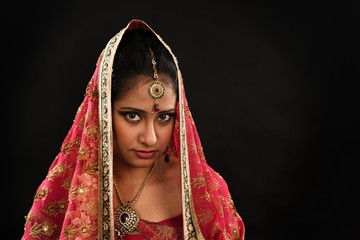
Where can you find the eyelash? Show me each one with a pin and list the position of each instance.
(126, 115)
(131, 120)
(169, 115)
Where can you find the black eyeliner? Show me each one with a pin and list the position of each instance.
(125, 114)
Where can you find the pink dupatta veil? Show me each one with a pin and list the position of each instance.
(75, 201)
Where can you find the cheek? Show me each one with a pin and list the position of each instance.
(122, 133)
(166, 133)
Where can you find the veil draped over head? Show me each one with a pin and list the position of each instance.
(75, 201)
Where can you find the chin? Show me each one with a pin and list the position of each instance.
(141, 163)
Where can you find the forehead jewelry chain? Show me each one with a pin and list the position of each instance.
(126, 219)
(156, 89)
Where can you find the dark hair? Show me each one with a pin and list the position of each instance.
(133, 58)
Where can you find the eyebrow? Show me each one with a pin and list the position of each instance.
(143, 111)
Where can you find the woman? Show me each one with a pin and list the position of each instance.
(132, 165)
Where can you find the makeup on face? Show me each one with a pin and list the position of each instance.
(145, 154)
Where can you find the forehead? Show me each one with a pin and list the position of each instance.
(138, 96)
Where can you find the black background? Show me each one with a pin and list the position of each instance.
(272, 86)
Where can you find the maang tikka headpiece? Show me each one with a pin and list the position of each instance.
(156, 89)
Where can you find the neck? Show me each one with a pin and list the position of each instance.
(129, 176)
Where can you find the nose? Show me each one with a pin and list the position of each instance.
(148, 136)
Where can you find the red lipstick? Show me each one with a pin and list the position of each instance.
(145, 154)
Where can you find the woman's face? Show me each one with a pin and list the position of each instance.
(142, 135)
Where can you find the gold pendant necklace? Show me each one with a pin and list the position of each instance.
(126, 219)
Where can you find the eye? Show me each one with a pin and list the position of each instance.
(133, 117)
(164, 117)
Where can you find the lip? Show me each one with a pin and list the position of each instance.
(145, 154)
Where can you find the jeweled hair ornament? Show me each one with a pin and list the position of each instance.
(156, 89)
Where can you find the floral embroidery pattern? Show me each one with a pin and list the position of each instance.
(84, 197)
(45, 228)
(58, 171)
(68, 196)
(81, 228)
(206, 216)
(41, 193)
(199, 181)
(70, 146)
(53, 208)
(88, 152)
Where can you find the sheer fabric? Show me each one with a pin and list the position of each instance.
(75, 199)
(169, 229)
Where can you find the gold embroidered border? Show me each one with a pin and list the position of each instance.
(106, 218)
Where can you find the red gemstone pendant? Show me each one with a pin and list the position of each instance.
(156, 107)
(124, 217)
(126, 220)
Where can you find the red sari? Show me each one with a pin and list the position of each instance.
(75, 201)
(170, 229)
